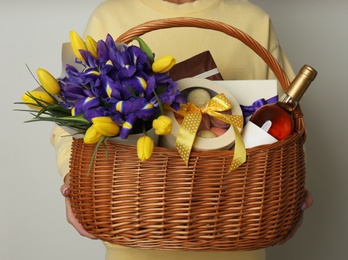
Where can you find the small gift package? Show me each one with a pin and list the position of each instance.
(202, 141)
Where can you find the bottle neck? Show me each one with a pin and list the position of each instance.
(287, 102)
(297, 88)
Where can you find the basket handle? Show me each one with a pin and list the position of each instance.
(153, 25)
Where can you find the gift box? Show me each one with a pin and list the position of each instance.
(201, 65)
(224, 141)
(251, 94)
(248, 91)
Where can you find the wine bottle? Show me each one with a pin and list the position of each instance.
(276, 119)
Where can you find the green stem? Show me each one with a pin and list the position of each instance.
(160, 105)
(101, 141)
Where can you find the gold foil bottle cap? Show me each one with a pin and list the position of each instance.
(301, 82)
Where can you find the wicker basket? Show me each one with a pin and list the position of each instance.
(162, 204)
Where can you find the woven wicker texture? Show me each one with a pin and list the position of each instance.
(162, 204)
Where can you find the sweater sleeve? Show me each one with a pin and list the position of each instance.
(283, 61)
(62, 143)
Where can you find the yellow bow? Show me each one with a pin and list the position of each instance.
(192, 119)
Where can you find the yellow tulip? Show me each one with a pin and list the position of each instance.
(162, 125)
(105, 126)
(163, 64)
(41, 96)
(145, 147)
(77, 44)
(48, 82)
(91, 46)
(92, 136)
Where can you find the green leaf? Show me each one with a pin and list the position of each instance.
(145, 48)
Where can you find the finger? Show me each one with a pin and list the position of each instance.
(308, 200)
(74, 222)
(64, 189)
(293, 231)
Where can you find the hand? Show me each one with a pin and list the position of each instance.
(307, 203)
(69, 213)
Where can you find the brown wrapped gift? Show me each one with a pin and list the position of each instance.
(201, 65)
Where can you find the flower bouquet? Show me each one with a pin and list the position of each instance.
(121, 90)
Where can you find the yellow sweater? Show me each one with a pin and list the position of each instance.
(234, 60)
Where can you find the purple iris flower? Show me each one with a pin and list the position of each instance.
(71, 92)
(119, 84)
(102, 51)
(117, 117)
(127, 126)
(82, 105)
(130, 106)
(126, 72)
(96, 112)
(139, 59)
(73, 75)
(110, 88)
(115, 55)
(136, 84)
(147, 112)
(90, 61)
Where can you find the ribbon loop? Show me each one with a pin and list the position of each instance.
(192, 119)
(249, 110)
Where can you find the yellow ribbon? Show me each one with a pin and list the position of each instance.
(192, 119)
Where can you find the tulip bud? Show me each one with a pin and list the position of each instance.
(162, 125)
(37, 99)
(48, 82)
(92, 136)
(163, 64)
(145, 147)
(91, 46)
(77, 44)
(105, 126)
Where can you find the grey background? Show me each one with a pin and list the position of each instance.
(32, 214)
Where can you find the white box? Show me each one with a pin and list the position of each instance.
(248, 91)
